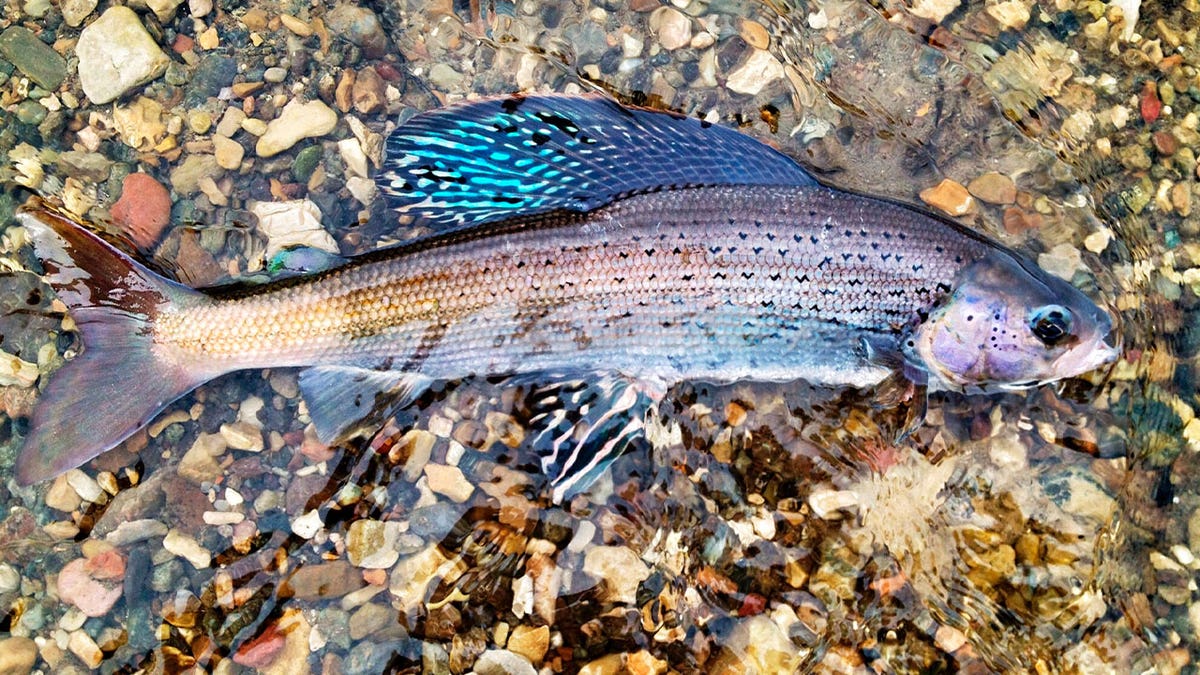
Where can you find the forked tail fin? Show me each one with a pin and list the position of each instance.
(122, 378)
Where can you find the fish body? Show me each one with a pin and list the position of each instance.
(720, 274)
(665, 284)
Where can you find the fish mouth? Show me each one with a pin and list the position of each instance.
(1104, 352)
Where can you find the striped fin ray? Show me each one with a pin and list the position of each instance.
(580, 426)
(490, 159)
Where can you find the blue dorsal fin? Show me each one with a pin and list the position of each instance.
(495, 158)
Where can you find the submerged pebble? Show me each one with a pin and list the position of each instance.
(93, 584)
(116, 54)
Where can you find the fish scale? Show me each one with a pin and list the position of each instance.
(606, 289)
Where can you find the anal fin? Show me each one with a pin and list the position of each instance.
(341, 397)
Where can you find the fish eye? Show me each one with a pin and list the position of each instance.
(1051, 324)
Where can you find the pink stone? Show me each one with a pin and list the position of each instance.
(262, 650)
(143, 210)
(93, 584)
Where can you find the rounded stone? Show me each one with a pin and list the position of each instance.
(116, 54)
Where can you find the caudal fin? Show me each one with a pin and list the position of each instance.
(121, 379)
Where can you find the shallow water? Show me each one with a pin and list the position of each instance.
(763, 527)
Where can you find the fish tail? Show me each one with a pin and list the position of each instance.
(122, 378)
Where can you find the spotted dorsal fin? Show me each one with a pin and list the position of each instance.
(491, 159)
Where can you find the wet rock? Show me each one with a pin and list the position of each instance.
(530, 642)
(949, 197)
(36, 59)
(444, 77)
(828, 504)
(31, 112)
(15, 371)
(199, 463)
(295, 25)
(17, 655)
(187, 548)
(434, 521)
(308, 524)
(209, 40)
(91, 166)
(292, 223)
(413, 573)
(262, 651)
(934, 10)
(621, 570)
(327, 580)
(116, 54)
(1062, 261)
(993, 188)
(243, 435)
(370, 618)
(164, 10)
(75, 11)
(143, 210)
(360, 26)
(503, 662)
(93, 584)
(133, 531)
(1010, 14)
(757, 71)
(10, 578)
(372, 544)
(185, 178)
(214, 72)
(229, 153)
(449, 481)
(306, 162)
(610, 664)
(368, 92)
(292, 658)
(757, 645)
(354, 157)
(369, 658)
(297, 121)
(83, 646)
(61, 496)
(674, 28)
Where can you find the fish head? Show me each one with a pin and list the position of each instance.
(1009, 325)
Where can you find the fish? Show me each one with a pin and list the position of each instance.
(596, 252)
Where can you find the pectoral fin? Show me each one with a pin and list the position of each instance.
(581, 424)
(341, 397)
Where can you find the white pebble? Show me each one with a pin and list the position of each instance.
(87, 488)
(826, 503)
(187, 548)
(307, 525)
(10, 578)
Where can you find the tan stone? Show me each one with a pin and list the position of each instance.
(673, 27)
(229, 152)
(295, 25)
(754, 34)
(644, 663)
(530, 642)
(605, 665)
(949, 197)
(17, 655)
(208, 40)
(448, 481)
(993, 188)
(621, 570)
